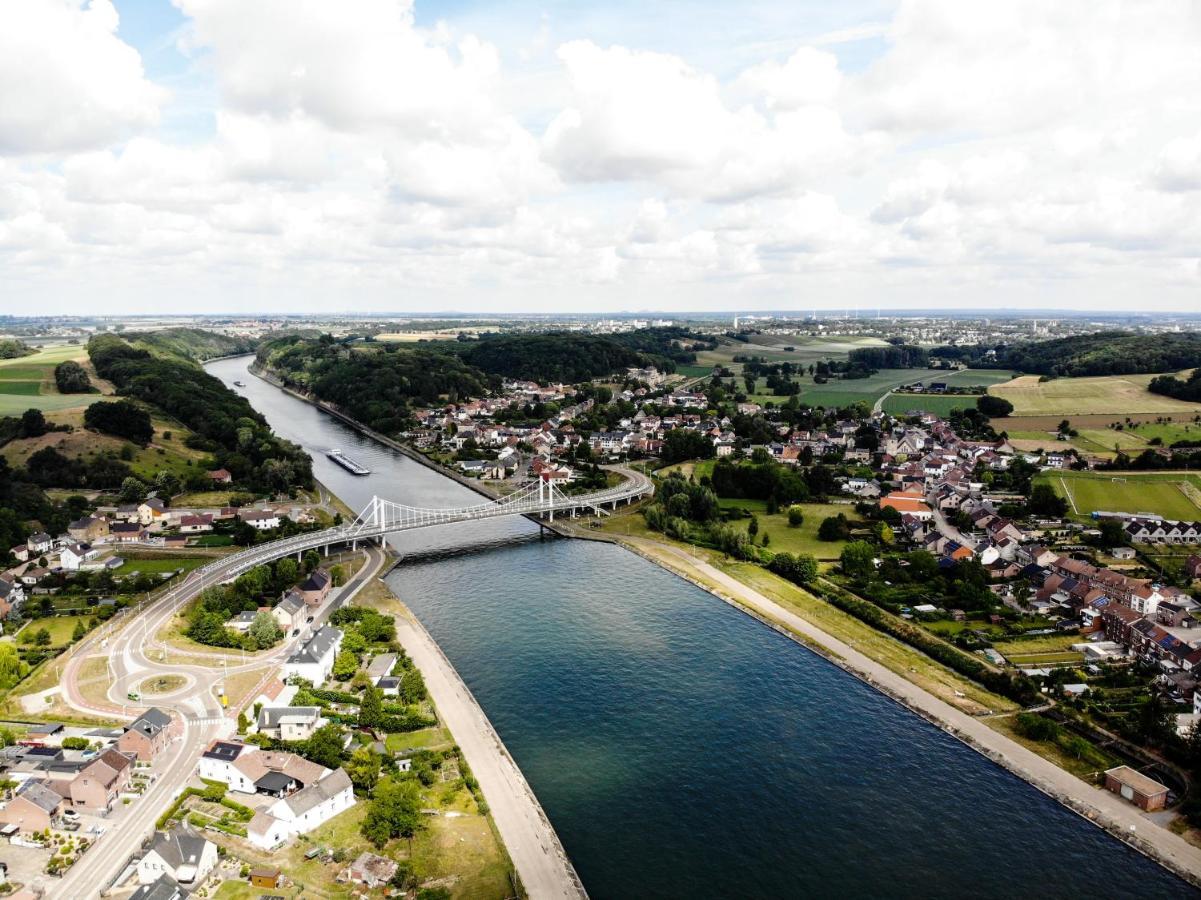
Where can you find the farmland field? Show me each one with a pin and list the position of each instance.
(29, 382)
(938, 404)
(1159, 493)
(808, 348)
(1111, 394)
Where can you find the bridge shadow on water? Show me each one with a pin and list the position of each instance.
(475, 548)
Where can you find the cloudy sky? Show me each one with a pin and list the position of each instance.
(478, 155)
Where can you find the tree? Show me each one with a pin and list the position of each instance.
(753, 528)
(994, 407)
(363, 769)
(33, 423)
(42, 638)
(395, 811)
(412, 686)
(80, 630)
(311, 560)
(132, 490)
(857, 559)
(1045, 502)
(287, 570)
(371, 709)
(796, 516)
(264, 630)
(324, 746)
(883, 532)
(345, 665)
(834, 528)
(337, 575)
(167, 484)
(122, 418)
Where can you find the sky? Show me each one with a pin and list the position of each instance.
(184, 156)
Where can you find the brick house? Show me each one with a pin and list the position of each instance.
(98, 784)
(148, 735)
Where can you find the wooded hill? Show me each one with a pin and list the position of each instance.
(1103, 353)
(224, 423)
(380, 383)
(192, 343)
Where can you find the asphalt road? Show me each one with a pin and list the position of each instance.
(135, 654)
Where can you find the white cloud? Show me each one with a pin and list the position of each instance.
(1178, 167)
(67, 81)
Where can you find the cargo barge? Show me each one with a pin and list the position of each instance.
(347, 463)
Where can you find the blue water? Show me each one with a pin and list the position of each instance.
(682, 749)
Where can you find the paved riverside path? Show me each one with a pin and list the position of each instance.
(540, 859)
(1096, 804)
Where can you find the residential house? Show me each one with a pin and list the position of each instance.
(315, 660)
(39, 543)
(33, 807)
(195, 524)
(165, 888)
(262, 519)
(89, 529)
(148, 735)
(316, 587)
(302, 811)
(180, 855)
(289, 723)
(151, 511)
(219, 763)
(73, 556)
(127, 532)
(101, 782)
(290, 612)
(908, 502)
(219, 476)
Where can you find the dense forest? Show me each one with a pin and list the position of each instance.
(564, 356)
(895, 356)
(225, 424)
(377, 384)
(1179, 388)
(1103, 353)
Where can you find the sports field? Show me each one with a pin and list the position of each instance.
(1112, 394)
(29, 382)
(937, 404)
(1173, 495)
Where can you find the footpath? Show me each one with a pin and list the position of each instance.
(532, 843)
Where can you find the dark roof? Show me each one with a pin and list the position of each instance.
(223, 750)
(317, 647)
(316, 581)
(39, 794)
(275, 781)
(150, 723)
(165, 888)
(178, 848)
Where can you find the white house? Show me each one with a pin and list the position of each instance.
(219, 763)
(72, 556)
(290, 611)
(187, 858)
(289, 723)
(39, 543)
(301, 812)
(315, 660)
(262, 519)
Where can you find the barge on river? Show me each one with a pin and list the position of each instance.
(347, 463)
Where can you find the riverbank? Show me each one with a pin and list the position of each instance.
(1104, 809)
(531, 841)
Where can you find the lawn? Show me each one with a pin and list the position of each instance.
(22, 388)
(1110, 394)
(696, 469)
(157, 565)
(424, 739)
(785, 538)
(1159, 493)
(60, 627)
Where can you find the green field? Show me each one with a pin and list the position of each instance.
(937, 404)
(808, 348)
(157, 565)
(60, 627)
(694, 371)
(29, 382)
(1159, 493)
(972, 377)
(794, 540)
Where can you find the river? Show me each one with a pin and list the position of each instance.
(681, 748)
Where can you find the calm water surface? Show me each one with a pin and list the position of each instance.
(680, 748)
